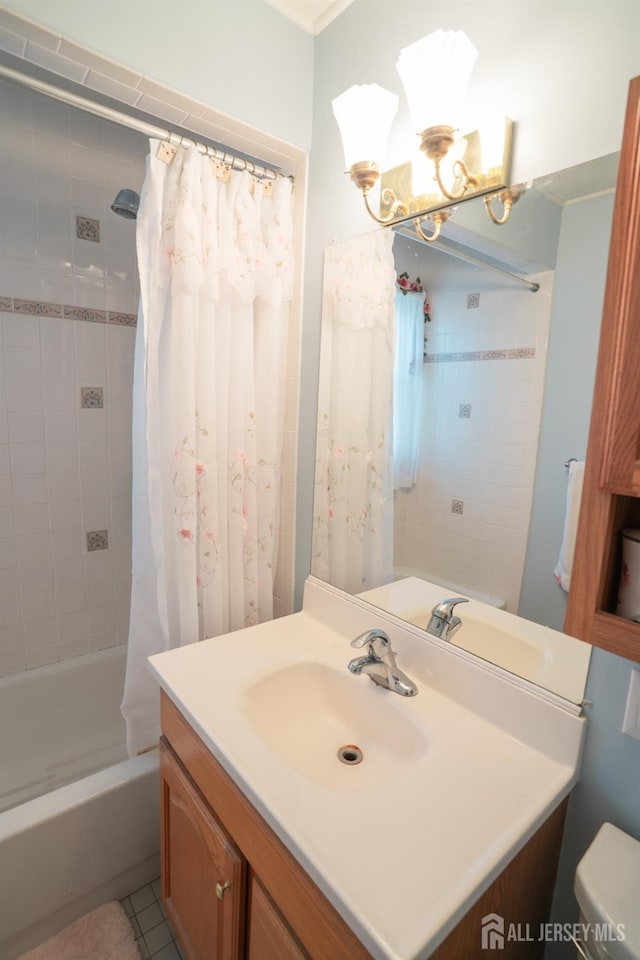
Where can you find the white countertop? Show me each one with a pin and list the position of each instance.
(402, 861)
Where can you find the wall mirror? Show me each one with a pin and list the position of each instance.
(445, 510)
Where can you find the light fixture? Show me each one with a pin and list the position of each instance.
(435, 72)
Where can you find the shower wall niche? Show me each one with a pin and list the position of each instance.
(68, 302)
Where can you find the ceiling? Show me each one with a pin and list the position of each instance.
(312, 15)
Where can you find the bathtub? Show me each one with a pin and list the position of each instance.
(79, 822)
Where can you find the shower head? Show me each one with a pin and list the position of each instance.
(126, 204)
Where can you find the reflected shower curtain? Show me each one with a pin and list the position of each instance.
(407, 388)
(353, 503)
(215, 262)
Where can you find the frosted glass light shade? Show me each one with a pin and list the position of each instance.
(435, 72)
(364, 114)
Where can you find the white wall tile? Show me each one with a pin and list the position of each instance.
(9, 582)
(63, 486)
(24, 397)
(61, 427)
(98, 566)
(32, 518)
(96, 513)
(27, 458)
(26, 427)
(67, 543)
(21, 331)
(35, 576)
(68, 573)
(70, 599)
(92, 424)
(22, 363)
(38, 605)
(60, 396)
(7, 522)
(61, 458)
(40, 643)
(72, 628)
(65, 514)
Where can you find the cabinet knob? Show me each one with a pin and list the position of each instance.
(221, 889)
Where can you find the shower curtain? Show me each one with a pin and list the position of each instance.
(215, 263)
(353, 503)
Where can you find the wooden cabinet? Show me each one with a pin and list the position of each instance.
(272, 910)
(203, 874)
(612, 477)
(269, 937)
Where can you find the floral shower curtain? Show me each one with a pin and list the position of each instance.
(353, 503)
(215, 262)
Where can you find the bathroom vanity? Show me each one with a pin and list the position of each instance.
(274, 850)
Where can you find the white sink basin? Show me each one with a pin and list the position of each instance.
(453, 782)
(307, 711)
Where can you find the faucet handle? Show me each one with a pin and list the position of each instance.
(377, 641)
(444, 609)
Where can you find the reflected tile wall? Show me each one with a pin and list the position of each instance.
(466, 520)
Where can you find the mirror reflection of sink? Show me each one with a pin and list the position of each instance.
(305, 712)
(489, 642)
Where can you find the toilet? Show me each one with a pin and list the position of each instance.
(607, 888)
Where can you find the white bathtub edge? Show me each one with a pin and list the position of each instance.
(49, 805)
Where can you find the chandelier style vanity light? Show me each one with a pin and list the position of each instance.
(435, 72)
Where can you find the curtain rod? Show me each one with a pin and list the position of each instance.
(476, 261)
(141, 126)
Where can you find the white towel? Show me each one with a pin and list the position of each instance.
(574, 495)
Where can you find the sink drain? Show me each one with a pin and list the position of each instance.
(350, 754)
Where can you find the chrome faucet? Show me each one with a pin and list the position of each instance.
(443, 624)
(379, 663)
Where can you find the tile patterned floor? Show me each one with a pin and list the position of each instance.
(154, 936)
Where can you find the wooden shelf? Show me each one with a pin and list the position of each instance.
(616, 634)
(611, 492)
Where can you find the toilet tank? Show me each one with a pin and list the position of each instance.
(607, 888)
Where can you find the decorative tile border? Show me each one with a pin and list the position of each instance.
(85, 313)
(517, 353)
(123, 319)
(39, 308)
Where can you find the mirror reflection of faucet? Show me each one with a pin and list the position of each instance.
(443, 623)
(379, 663)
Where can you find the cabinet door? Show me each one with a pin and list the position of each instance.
(203, 875)
(268, 935)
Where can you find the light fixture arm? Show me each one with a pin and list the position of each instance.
(507, 198)
(365, 175)
(437, 219)
(435, 143)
